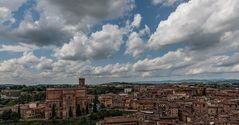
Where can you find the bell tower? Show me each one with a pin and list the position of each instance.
(82, 82)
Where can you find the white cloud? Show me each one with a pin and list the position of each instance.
(60, 20)
(165, 2)
(114, 70)
(236, 68)
(145, 31)
(45, 32)
(32, 69)
(198, 23)
(171, 60)
(135, 45)
(215, 64)
(44, 64)
(209, 31)
(5, 13)
(6, 9)
(17, 48)
(101, 44)
(137, 20)
(142, 68)
(79, 11)
(132, 25)
(18, 67)
(174, 63)
(13, 5)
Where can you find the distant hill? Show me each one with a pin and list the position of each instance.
(189, 81)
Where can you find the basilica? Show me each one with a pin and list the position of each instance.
(67, 102)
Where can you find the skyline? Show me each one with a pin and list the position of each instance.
(52, 41)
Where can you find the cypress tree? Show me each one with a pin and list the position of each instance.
(95, 103)
(70, 112)
(53, 111)
(78, 110)
(87, 109)
(19, 111)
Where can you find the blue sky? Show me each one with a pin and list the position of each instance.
(50, 41)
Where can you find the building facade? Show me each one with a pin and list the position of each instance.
(119, 120)
(67, 102)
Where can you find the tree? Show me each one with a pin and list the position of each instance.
(70, 112)
(204, 91)
(6, 115)
(53, 111)
(83, 111)
(95, 103)
(9, 115)
(78, 110)
(87, 109)
(14, 116)
(102, 106)
(19, 111)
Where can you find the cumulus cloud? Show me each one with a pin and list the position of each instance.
(17, 48)
(29, 69)
(76, 11)
(208, 31)
(137, 20)
(7, 8)
(198, 23)
(211, 37)
(41, 33)
(165, 2)
(17, 67)
(215, 64)
(135, 45)
(132, 25)
(174, 63)
(170, 61)
(59, 20)
(44, 32)
(145, 31)
(44, 64)
(101, 44)
(13, 5)
(5, 13)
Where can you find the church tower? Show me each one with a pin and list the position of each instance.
(82, 82)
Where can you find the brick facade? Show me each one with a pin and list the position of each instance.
(66, 102)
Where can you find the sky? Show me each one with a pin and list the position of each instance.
(57, 41)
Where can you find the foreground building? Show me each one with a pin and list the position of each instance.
(119, 120)
(67, 102)
(33, 110)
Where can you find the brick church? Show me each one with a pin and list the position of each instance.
(67, 102)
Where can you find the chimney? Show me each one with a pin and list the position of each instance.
(82, 82)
